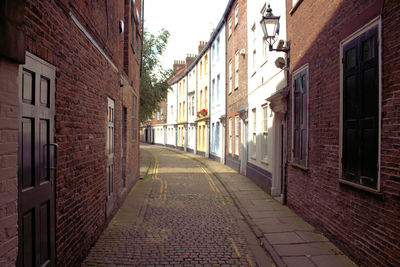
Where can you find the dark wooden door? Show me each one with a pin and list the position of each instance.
(36, 164)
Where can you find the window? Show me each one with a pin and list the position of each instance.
(237, 135)
(300, 117)
(158, 115)
(218, 80)
(264, 148)
(205, 97)
(236, 14)
(294, 2)
(237, 69)
(230, 135)
(230, 27)
(230, 76)
(205, 64)
(132, 23)
(180, 111)
(213, 92)
(213, 53)
(361, 108)
(184, 111)
(134, 118)
(201, 68)
(137, 45)
(201, 100)
(216, 141)
(110, 147)
(212, 140)
(162, 114)
(254, 136)
(253, 31)
(193, 105)
(218, 44)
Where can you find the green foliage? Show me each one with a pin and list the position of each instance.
(154, 80)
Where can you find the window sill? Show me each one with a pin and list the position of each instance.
(298, 166)
(360, 187)
(264, 161)
(254, 73)
(253, 157)
(236, 88)
(295, 7)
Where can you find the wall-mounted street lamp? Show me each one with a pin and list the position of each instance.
(270, 26)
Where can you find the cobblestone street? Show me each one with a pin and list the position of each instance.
(177, 215)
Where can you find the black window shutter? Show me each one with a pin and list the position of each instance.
(361, 109)
(300, 132)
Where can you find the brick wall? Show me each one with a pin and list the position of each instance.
(236, 42)
(8, 162)
(364, 225)
(84, 80)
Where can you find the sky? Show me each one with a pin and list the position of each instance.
(188, 22)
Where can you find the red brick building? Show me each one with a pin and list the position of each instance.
(69, 124)
(153, 130)
(236, 85)
(343, 172)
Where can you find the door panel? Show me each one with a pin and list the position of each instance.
(35, 171)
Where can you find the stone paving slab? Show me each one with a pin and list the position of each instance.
(298, 262)
(289, 239)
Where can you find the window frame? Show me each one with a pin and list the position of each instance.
(230, 135)
(237, 135)
(254, 133)
(229, 27)
(295, 162)
(236, 85)
(236, 15)
(230, 77)
(376, 22)
(264, 149)
(134, 118)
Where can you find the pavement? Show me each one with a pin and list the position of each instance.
(187, 210)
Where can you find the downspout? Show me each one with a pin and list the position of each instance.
(209, 107)
(284, 202)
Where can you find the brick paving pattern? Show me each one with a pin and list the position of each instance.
(189, 220)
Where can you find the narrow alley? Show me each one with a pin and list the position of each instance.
(185, 217)
(181, 214)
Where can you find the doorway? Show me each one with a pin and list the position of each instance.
(37, 163)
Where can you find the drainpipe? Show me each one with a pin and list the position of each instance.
(287, 130)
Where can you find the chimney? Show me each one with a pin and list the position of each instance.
(189, 59)
(178, 65)
(202, 45)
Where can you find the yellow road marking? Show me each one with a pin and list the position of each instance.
(235, 247)
(165, 190)
(249, 260)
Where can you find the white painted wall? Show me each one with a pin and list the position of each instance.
(264, 79)
(191, 86)
(217, 93)
(172, 115)
(159, 134)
